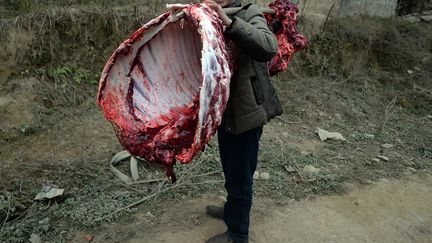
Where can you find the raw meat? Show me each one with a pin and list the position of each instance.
(284, 24)
(166, 87)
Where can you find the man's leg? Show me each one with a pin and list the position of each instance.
(239, 154)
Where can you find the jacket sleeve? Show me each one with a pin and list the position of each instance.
(253, 36)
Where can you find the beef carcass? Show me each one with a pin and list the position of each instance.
(166, 87)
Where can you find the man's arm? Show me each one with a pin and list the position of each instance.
(253, 36)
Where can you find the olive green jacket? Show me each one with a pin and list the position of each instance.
(253, 100)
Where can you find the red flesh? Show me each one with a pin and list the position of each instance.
(163, 109)
(284, 25)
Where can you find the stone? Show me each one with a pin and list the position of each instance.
(34, 238)
(310, 170)
(285, 134)
(304, 153)
(149, 214)
(375, 160)
(412, 19)
(256, 175)
(387, 145)
(383, 158)
(426, 18)
(412, 169)
(370, 136)
(264, 176)
(345, 187)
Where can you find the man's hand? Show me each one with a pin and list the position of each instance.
(218, 9)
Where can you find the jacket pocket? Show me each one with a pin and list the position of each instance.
(258, 90)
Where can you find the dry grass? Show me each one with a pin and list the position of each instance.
(356, 67)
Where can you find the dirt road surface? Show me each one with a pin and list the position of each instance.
(387, 211)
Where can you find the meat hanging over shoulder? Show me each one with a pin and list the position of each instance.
(166, 87)
(284, 24)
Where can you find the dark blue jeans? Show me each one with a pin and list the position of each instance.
(239, 155)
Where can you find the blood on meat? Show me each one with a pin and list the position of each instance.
(166, 87)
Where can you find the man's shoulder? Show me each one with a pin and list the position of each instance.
(249, 11)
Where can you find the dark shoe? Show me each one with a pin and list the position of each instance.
(215, 212)
(223, 238)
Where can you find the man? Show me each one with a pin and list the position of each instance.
(253, 102)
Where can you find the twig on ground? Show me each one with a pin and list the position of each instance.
(182, 223)
(154, 194)
(181, 181)
(7, 214)
(148, 181)
(209, 182)
(209, 173)
(387, 114)
(327, 18)
(298, 171)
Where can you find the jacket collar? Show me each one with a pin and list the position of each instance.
(235, 3)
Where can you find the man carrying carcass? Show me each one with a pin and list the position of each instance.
(253, 102)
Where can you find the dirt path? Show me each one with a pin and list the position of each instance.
(389, 211)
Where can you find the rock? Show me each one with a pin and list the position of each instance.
(429, 116)
(383, 158)
(383, 180)
(412, 19)
(265, 176)
(304, 153)
(387, 145)
(426, 18)
(34, 238)
(410, 71)
(310, 170)
(149, 215)
(345, 187)
(285, 134)
(338, 116)
(256, 175)
(372, 161)
(224, 199)
(370, 136)
(396, 154)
